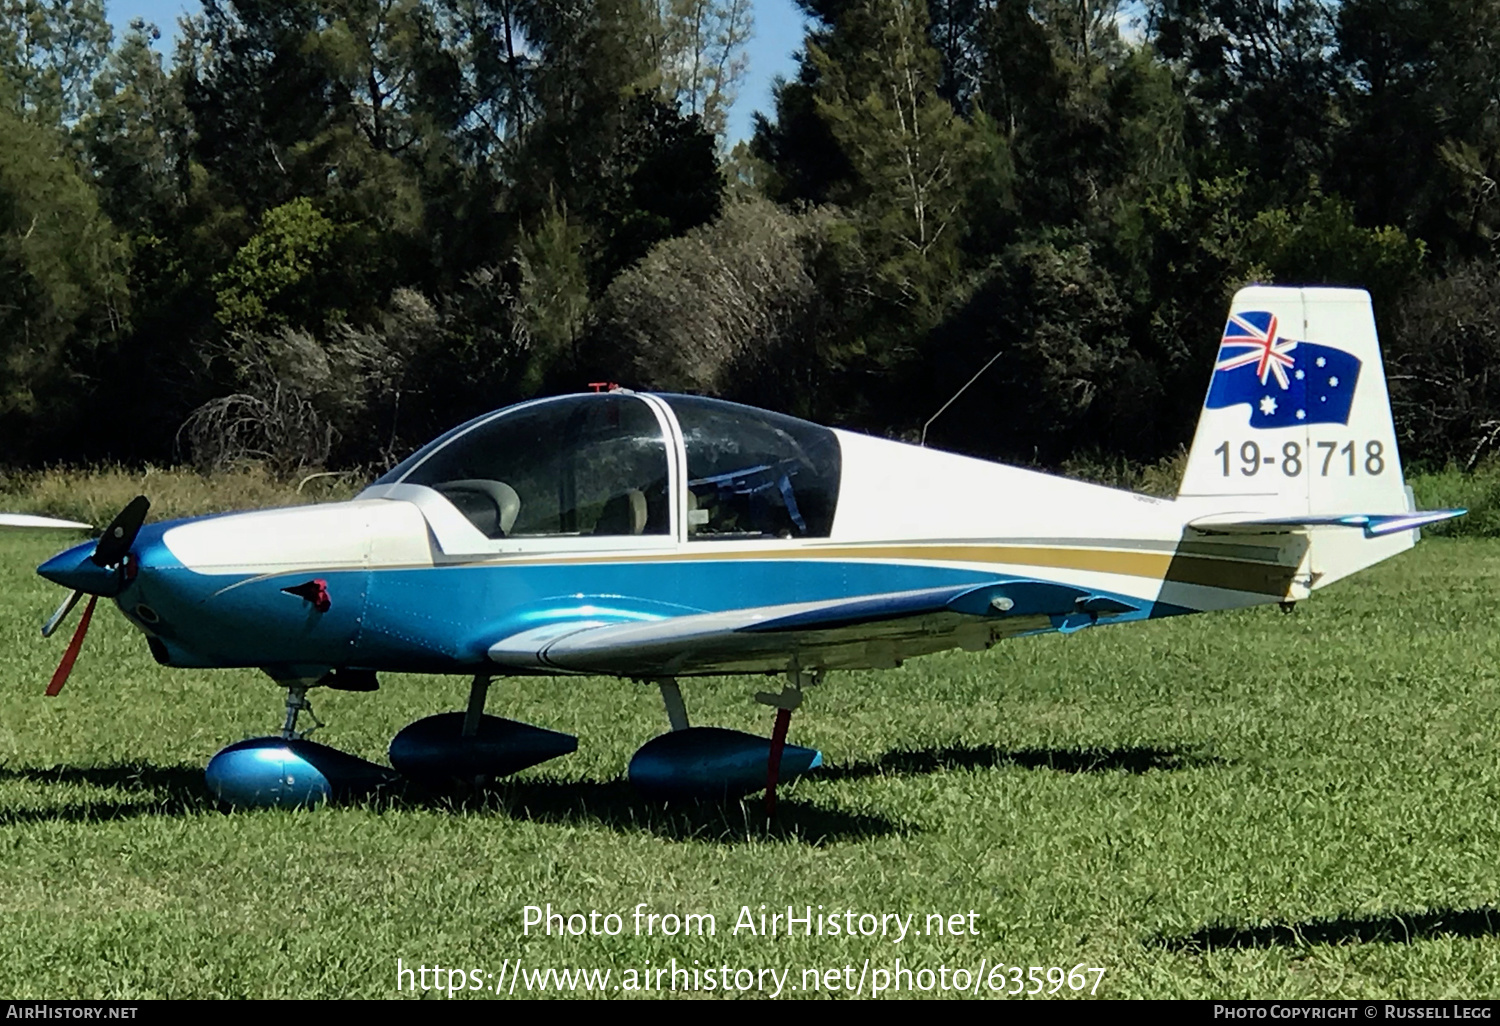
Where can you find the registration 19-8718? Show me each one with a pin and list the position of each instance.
(1327, 459)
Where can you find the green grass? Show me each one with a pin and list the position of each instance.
(1232, 805)
(94, 495)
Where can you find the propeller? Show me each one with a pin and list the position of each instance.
(55, 620)
(27, 520)
(102, 573)
(114, 543)
(70, 654)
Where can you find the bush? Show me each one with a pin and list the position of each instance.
(1160, 479)
(1452, 488)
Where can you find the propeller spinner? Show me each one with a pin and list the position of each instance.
(103, 572)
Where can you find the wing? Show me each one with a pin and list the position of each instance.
(866, 632)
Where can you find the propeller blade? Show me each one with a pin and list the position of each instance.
(56, 619)
(114, 543)
(27, 520)
(65, 667)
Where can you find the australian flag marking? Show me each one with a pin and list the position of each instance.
(1284, 382)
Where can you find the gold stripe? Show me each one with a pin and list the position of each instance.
(1114, 561)
(1237, 574)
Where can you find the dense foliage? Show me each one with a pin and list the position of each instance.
(326, 229)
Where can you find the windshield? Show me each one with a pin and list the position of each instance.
(579, 465)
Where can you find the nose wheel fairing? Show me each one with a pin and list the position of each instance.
(266, 772)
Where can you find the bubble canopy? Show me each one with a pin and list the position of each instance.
(598, 464)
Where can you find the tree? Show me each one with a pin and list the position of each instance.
(1066, 370)
(1073, 103)
(316, 100)
(1262, 81)
(627, 165)
(255, 91)
(273, 279)
(553, 301)
(1422, 146)
(50, 51)
(135, 137)
(700, 49)
(907, 149)
(1442, 354)
(864, 128)
(478, 79)
(63, 291)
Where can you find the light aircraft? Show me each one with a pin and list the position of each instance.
(663, 537)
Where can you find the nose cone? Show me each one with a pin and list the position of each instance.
(74, 569)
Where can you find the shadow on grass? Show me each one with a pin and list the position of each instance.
(162, 790)
(1065, 760)
(618, 806)
(1376, 929)
(179, 780)
(180, 790)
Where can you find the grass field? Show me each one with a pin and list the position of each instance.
(1234, 805)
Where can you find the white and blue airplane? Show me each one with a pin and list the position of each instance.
(663, 537)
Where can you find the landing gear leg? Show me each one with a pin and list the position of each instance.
(784, 703)
(671, 697)
(296, 704)
(478, 692)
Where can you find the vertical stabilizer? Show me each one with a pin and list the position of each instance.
(1297, 421)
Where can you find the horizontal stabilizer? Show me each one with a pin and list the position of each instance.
(1375, 525)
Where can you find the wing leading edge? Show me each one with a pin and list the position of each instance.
(864, 632)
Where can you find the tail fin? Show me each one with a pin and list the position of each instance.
(1297, 426)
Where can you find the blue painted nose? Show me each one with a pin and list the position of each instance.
(75, 569)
